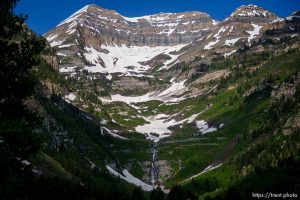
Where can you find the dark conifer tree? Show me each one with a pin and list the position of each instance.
(157, 194)
(137, 194)
(176, 193)
(20, 51)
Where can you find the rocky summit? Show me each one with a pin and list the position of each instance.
(90, 36)
(109, 27)
(243, 27)
(103, 41)
(156, 57)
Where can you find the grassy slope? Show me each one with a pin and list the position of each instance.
(237, 118)
(71, 160)
(228, 107)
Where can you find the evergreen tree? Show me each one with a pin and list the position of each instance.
(176, 193)
(157, 194)
(191, 196)
(20, 51)
(137, 194)
(232, 194)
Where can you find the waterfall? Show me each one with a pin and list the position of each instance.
(153, 169)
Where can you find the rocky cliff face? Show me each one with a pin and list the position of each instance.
(98, 41)
(286, 27)
(244, 26)
(252, 14)
(109, 27)
(103, 41)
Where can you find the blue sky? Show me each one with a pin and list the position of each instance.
(44, 15)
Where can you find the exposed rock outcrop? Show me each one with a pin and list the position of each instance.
(101, 26)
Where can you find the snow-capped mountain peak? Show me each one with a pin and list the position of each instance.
(252, 13)
(104, 41)
(161, 29)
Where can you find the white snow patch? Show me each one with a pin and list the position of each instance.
(25, 162)
(182, 32)
(56, 43)
(150, 18)
(102, 17)
(231, 42)
(109, 77)
(176, 88)
(71, 31)
(61, 54)
(92, 69)
(169, 63)
(125, 59)
(128, 99)
(36, 171)
(130, 178)
(254, 33)
(228, 54)
(214, 22)
(70, 96)
(172, 79)
(252, 12)
(204, 128)
(289, 18)
(65, 45)
(196, 31)
(294, 35)
(73, 24)
(73, 16)
(210, 44)
(51, 37)
(278, 20)
(67, 69)
(180, 16)
(217, 37)
(158, 126)
(132, 19)
(207, 169)
(110, 132)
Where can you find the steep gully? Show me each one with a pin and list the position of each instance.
(153, 175)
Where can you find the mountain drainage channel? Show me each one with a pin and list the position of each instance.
(153, 175)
